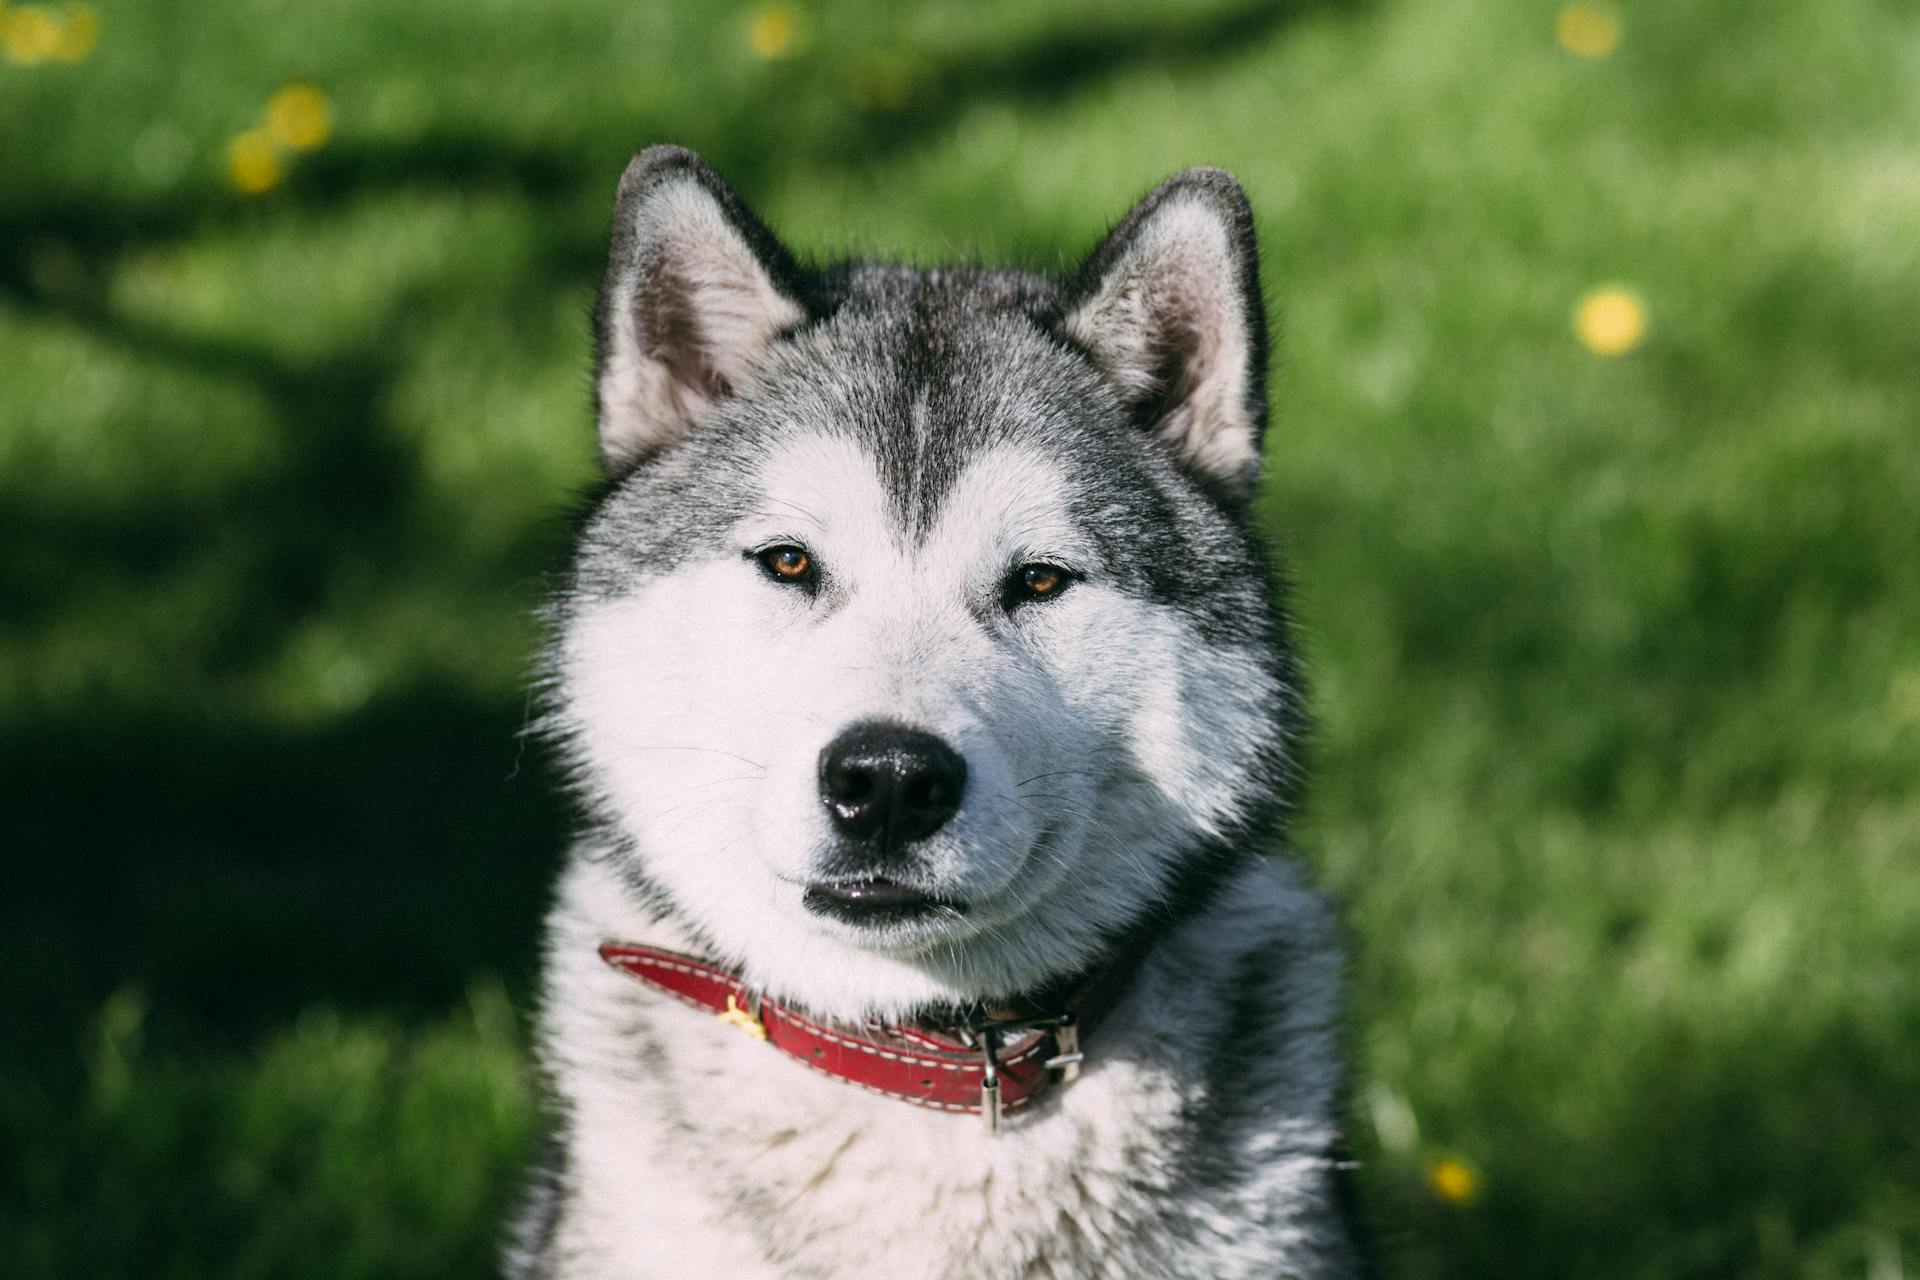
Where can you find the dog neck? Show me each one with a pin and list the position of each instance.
(984, 1061)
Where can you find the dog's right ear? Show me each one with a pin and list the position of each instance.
(696, 291)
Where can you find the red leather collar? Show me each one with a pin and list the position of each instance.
(992, 1065)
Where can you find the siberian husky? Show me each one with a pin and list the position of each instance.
(919, 674)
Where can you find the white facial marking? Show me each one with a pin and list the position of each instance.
(1099, 736)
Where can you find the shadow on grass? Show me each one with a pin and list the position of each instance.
(753, 140)
(235, 875)
(241, 874)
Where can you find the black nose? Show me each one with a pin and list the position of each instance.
(889, 786)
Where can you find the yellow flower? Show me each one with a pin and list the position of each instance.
(299, 116)
(774, 31)
(1454, 1182)
(29, 34)
(253, 163)
(78, 33)
(1610, 322)
(1588, 31)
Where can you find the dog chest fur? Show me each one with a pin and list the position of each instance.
(1194, 1143)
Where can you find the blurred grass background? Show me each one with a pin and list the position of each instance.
(1613, 613)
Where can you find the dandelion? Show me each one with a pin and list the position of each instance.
(1609, 322)
(253, 163)
(773, 32)
(299, 116)
(1587, 31)
(1453, 1182)
(29, 34)
(79, 32)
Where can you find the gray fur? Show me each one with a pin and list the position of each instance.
(1109, 422)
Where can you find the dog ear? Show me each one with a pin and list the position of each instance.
(1169, 308)
(696, 291)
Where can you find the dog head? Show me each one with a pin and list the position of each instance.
(918, 646)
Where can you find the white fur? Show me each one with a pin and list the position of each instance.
(703, 702)
(1110, 743)
(730, 1159)
(705, 699)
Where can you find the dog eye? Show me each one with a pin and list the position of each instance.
(1032, 582)
(787, 564)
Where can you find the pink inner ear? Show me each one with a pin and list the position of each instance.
(692, 315)
(1190, 313)
(667, 325)
(1170, 330)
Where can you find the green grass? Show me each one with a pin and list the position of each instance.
(1617, 661)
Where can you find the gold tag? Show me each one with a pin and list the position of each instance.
(745, 1019)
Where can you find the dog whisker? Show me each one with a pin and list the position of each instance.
(708, 750)
(1058, 773)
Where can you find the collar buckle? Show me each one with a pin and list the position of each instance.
(1067, 1057)
(982, 1030)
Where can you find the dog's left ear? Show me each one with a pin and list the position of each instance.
(696, 291)
(1169, 308)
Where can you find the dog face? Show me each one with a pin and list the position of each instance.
(918, 646)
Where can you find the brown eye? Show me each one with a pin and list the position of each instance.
(1042, 579)
(787, 564)
(1031, 582)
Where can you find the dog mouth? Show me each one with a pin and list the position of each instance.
(878, 902)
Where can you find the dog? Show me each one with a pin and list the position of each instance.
(921, 678)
